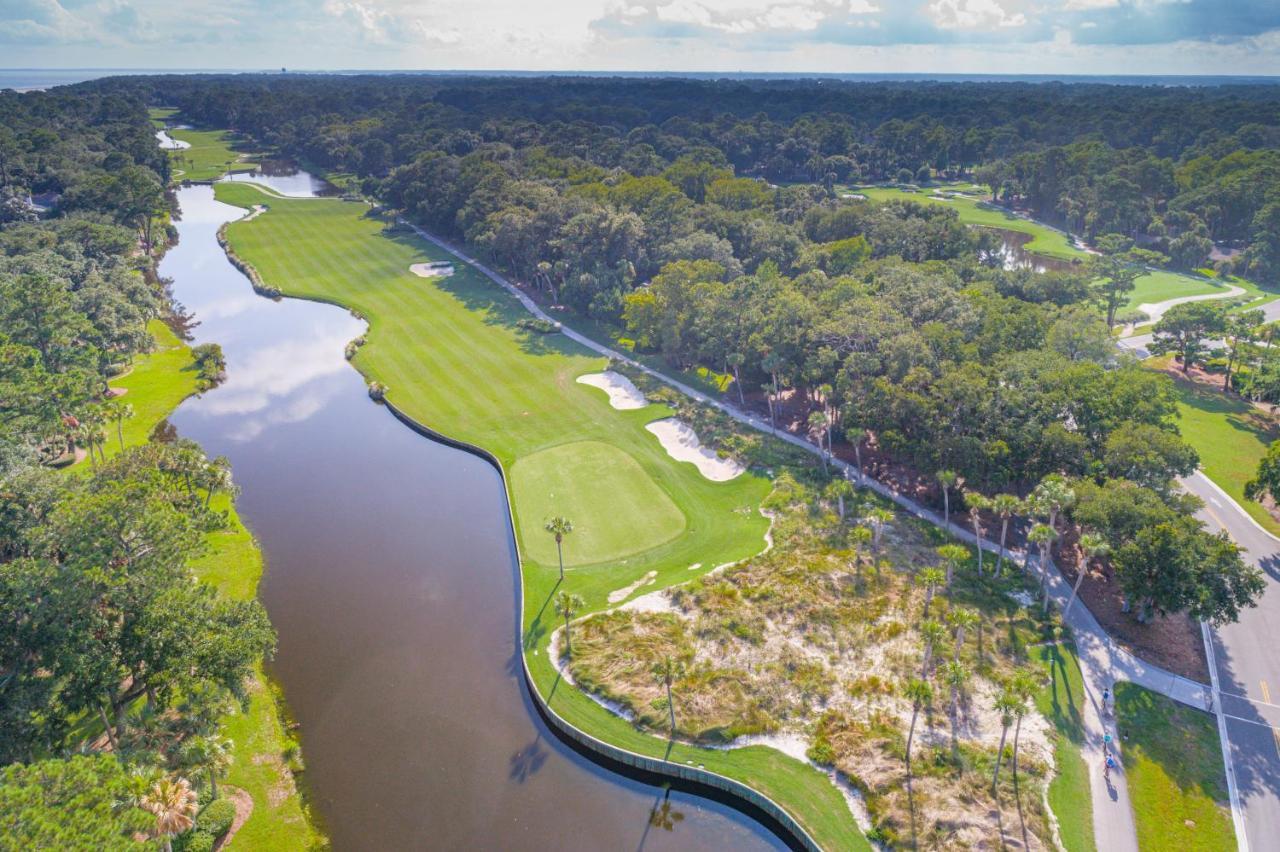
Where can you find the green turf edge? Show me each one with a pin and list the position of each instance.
(1047, 241)
(1229, 436)
(210, 156)
(157, 384)
(1173, 763)
(1062, 702)
(804, 791)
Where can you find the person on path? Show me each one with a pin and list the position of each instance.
(1106, 699)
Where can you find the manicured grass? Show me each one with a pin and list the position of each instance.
(579, 477)
(157, 384)
(1231, 437)
(210, 156)
(976, 211)
(1062, 703)
(1155, 286)
(1160, 285)
(1173, 765)
(453, 358)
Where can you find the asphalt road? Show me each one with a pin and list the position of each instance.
(1247, 660)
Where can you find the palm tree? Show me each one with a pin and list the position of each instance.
(855, 435)
(1007, 704)
(1006, 506)
(858, 537)
(119, 412)
(1092, 546)
(559, 527)
(920, 693)
(932, 633)
(1052, 496)
(667, 670)
(947, 479)
(839, 489)
(212, 754)
(977, 504)
(568, 606)
(818, 426)
(1043, 535)
(955, 675)
(953, 556)
(931, 579)
(174, 805)
(878, 518)
(735, 360)
(1022, 686)
(961, 620)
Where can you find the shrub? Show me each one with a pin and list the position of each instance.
(821, 752)
(217, 817)
(377, 391)
(197, 840)
(537, 326)
(1132, 316)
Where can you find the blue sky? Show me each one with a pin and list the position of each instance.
(958, 36)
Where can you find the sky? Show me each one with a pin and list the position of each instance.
(1157, 37)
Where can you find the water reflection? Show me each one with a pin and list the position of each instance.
(392, 583)
(286, 178)
(1014, 255)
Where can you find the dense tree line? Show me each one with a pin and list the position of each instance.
(706, 217)
(108, 643)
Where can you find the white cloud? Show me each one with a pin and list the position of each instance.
(41, 22)
(380, 26)
(973, 15)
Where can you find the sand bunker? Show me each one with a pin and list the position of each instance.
(167, 141)
(682, 444)
(623, 394)
(435, 269)
(625, 592)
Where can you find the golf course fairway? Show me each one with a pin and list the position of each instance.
(452, 357)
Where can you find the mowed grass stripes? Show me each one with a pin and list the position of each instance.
(453, 358)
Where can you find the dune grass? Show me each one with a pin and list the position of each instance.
(1173, 765)
(451, 355)
(1231, 437)
(1061, 701)
(232, 562)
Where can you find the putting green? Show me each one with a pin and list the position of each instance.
(617, 509)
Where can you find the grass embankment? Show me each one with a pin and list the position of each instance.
(1231, 437)
(1173, 765)
(453, 357)
(157, 384)
(1155, 286)
(1062, 703)
(212, 154)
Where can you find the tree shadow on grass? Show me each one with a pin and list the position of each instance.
(1181, 740)
(487, 300)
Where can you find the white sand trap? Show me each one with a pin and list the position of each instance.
(167, 141)
(625, 592)
(435, 269)
(623, 394)
(682, 444)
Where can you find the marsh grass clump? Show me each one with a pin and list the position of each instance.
(820, 636)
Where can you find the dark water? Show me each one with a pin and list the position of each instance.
(1015, 255)
(392, 580)
(286, 178)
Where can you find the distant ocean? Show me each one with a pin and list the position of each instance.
(24, 79)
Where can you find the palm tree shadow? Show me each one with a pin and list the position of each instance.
(1022, 818)
(661, 815)
(526, 762)
(537, 629)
